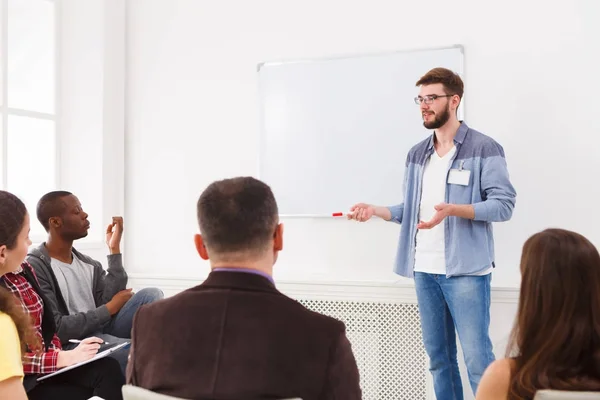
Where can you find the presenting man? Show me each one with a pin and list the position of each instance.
(456, 185)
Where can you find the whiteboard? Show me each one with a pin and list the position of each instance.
(334, 132)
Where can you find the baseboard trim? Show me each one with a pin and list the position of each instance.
(317, 290)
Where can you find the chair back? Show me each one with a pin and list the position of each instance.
(131, 392)
(562, 395)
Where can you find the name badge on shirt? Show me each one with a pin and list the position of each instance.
(459, 176)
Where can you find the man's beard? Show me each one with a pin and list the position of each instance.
(439, 120)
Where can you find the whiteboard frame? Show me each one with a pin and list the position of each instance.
(360, 55)
(259, 66)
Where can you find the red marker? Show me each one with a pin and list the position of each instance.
(340, 214)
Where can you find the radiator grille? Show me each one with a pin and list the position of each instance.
(387, 344)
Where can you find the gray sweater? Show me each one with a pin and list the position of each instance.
(105, 284)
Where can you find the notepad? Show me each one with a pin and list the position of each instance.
(96, 357)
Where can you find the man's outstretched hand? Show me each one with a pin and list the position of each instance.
(441, 211)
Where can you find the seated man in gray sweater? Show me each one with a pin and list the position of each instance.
(86, 300)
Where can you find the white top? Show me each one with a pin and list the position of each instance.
(430, 256)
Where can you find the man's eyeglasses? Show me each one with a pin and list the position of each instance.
(429, 99)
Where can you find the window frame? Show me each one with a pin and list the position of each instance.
(6, 111)
(111, 187)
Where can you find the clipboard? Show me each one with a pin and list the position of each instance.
(96, 357)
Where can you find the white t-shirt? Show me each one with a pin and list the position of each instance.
(430, 256)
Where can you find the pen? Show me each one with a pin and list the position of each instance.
(79, 341)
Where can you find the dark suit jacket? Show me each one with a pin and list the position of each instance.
(236, 337)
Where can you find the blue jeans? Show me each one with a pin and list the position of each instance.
(459, 303)
(118, 329)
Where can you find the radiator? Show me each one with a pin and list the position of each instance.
(386, 341)
(382, 323)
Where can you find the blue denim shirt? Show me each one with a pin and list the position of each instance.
(469, 244)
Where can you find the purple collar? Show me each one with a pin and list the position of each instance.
(246, 270)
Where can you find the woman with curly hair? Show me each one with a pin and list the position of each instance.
(27, 325)
(15, 326)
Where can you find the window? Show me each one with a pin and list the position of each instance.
(28, 159)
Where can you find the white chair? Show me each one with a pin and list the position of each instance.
(561, 395)
(131, 392)
(137, 393)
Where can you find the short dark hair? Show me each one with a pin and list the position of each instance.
(51, 205)
(451, 81)
(237, 215)
(12, 218)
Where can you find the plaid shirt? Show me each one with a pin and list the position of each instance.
(33, 363)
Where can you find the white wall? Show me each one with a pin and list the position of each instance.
(192, 116)
(80, 119)
(191, 99)
(91, 122)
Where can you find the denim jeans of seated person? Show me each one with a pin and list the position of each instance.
(118, 329)
(446, 305)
